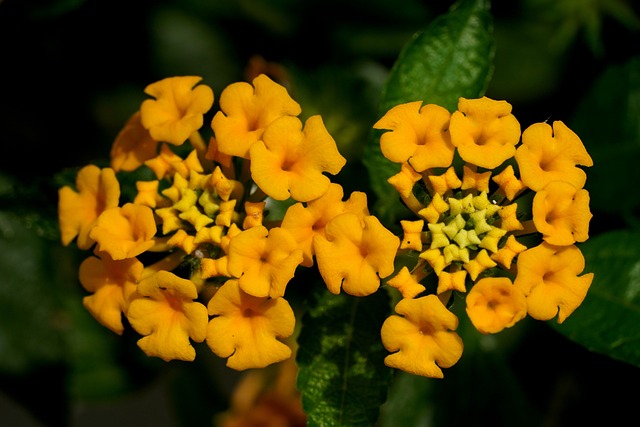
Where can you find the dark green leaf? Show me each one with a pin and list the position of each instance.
(32, 322)
(451, 58)
(410, 402)
(342, 376)
(615, 100)
(607, 321)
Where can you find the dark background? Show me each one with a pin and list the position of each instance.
(72, 72)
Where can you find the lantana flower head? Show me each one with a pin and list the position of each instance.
(97, 191)
(291, 161)
(202, 231)
(479, 216)
(246, 111)
(177, 110)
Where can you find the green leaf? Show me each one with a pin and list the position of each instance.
(32, 322)
(410, 403)
(614, 99)
(342, 376)
(607, 321)
(451, 58)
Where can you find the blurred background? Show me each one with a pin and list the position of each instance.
(73, 71)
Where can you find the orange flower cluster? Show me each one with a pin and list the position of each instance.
(498, 215)
(193, 256)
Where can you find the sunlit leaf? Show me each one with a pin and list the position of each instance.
(342, 376)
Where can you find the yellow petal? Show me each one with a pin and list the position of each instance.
(561, 213)
(111, 284)
(167, 315)
(354, 255)
(406, 283)
(484, 131)
(493, 304)
(549, 276)
(291, 161)
(133, 146)
(418, 135)
(263, 260)
(177, 110)
(246, 329)
(422, 338)
(125, 232)
(548, 155)
(246, 111)
(97, 190)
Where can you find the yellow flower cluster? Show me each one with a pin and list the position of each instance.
(194, 256)
(498, 213)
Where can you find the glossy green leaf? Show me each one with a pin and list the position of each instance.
(342, 376)
(449, 59)
(607, 321)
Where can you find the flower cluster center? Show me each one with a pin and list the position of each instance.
(466, 227)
